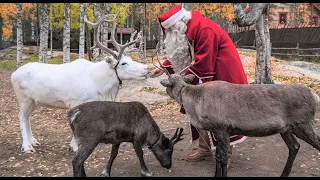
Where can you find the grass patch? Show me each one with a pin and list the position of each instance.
(307, 81)
(10, 64)
(163, 93)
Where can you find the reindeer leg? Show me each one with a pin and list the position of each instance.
(144, 170)
(82, 154)
(26, 108)
(114, 152)
(223, 141)
(293, 146)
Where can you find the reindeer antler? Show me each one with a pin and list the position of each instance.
(95, 26)
(120, 48)
(176, 137)
(161, 67)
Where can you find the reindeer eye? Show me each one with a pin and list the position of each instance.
(124, 64)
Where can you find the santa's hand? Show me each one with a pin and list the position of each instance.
(156, 72)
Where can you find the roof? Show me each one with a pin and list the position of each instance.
(316, 6)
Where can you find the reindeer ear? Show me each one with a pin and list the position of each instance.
(111, 61)
(188, 78)
(166, 83)
(165, 142)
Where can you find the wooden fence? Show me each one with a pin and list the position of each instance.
(299, 42)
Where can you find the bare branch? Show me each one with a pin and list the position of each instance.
(255, 10)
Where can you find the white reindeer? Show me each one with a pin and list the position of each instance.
(68, 85)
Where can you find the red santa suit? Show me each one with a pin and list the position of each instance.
(216, 57)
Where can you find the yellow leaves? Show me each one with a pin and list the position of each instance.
(115, 7)
(8, 13)
(161, 108)
(57, 14)
(279, 74)
(154, 10)
(7, 9)
(222, 10)
(6, 32)
(305, 13)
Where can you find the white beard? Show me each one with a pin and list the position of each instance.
(176, 47)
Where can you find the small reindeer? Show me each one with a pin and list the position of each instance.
(254, 110)
(67, 85)
(116, 122)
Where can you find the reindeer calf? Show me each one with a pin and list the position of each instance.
(113, 123)
(248, 109)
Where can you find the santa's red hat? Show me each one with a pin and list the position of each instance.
(172, 16)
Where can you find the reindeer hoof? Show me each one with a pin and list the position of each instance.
(146, 173)
(104, 173)
(35, 143)
(72, 149)
(29, 151)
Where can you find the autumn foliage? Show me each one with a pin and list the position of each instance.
(8, 13)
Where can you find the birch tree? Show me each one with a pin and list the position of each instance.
(19, 35)
(32, 31)
(257, 13)
(51, 37)
(142, 42)
(44, 29)
(82, 31)
(1, 25)
(97, 14)
(66, 33)
(105, 9)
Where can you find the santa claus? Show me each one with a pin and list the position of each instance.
(216, 58)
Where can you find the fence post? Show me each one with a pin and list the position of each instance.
(297, 49)
(270, 48)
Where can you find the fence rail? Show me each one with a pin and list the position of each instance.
(297, 50)
(298, 42)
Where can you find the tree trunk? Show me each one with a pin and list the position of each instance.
(19, 35)
(82, 31)
(51, 48)
(141, 49)
(32, 31)
(261, 52)
(44, 28)
(105, 9)
(66, 33)
(1, 25)
(132, 15)
(38, 24)
(149, 24)
(161, 38)
(97, 14)
(257, 13)
(88, 41)
(268, 50)
(145, 32)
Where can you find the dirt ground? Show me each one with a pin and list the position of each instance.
(254, 157)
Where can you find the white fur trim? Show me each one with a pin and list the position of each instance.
(174, 18)
(238, 141)
(231, 143)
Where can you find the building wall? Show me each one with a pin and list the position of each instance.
(316, 12)
(274, 16)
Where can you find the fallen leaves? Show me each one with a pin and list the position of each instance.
(277, 72)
